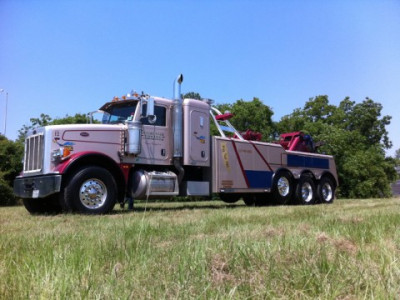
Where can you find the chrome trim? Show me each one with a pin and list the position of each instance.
(34, 153)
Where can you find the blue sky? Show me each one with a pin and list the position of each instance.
(67, 57)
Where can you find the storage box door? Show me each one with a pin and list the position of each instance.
(197, 146)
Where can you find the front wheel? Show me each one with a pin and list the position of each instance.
(92, 190)
(326, 190)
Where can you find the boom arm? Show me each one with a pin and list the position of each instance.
(219, 118)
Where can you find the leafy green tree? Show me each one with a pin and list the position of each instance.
(397, 154)
(367, 173)
(45, 120)
(366, 118)
(10, 159)
(192, 95)
(319, 109)
(253, 115)
(10, 166)
(397, 160)
(76, 119)
(6, 193)
(356, 135)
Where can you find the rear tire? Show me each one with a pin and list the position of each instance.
(92, 190)
(326, 190)
(305, 191)
(48, 205)
(250, 200)
(282, 187)
(264, 199)
(229, 198)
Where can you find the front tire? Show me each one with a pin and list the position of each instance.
(92, 190)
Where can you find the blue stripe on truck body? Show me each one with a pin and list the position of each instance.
(307, 162)
(259, 179)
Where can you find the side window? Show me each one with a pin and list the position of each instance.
(160, 112)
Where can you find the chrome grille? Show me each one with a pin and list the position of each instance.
(33, 159)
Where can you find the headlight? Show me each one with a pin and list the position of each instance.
(60, 154)
(57, 154)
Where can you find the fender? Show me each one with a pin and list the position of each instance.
(63, 166)
(280, 169)
(76, 160)
(331, 176)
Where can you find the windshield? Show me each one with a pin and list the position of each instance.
(119, 112)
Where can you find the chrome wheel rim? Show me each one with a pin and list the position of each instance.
(327, 193)
(93, 193)
(306, 192)
(283, 186)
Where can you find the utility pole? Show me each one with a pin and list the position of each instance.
(5, 118)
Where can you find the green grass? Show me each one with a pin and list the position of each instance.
(348, 250)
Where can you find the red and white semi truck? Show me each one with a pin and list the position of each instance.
(156, 147)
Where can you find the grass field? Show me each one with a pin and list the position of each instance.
(347, 250)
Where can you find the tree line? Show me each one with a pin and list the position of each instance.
(354, 133)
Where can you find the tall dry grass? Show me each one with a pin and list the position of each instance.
(348, 250)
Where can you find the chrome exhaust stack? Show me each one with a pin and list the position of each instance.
(177, 117)
(177, 127)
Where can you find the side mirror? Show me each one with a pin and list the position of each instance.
(151, 117)
(147, 110)
(150, 107)
(101, 117)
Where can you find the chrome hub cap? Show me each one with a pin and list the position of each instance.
(327, 192)
(283, 186)
(306, 192)
(93, 193)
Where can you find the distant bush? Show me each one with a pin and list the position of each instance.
(6, 194)
(11, 154)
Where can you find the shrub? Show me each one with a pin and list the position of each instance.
(7, 197)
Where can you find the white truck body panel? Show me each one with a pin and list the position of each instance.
(241, 165)
(196, 133)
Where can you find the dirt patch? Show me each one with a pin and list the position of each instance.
(304, 228)
(352, 220)
(220, 271)
(322, 237)
(272, 232)
(344, 245)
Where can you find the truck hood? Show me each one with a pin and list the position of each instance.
(77, 127)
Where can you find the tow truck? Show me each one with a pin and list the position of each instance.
(152, 147)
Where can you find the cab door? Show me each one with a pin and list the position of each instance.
(156, 138)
